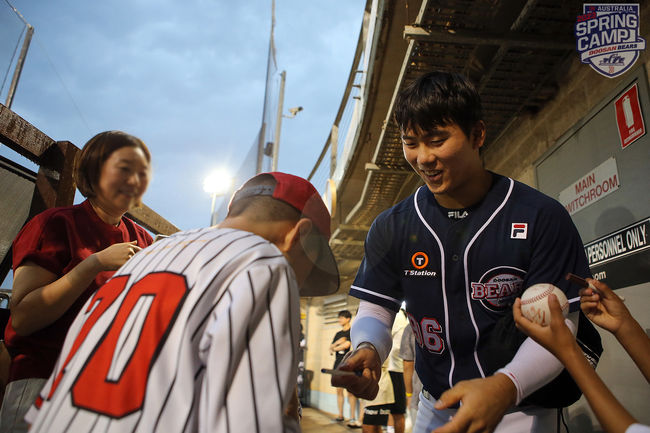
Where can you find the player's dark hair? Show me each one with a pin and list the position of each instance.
(263, 207)
(438, 99)
(89, 162)
(345, 313)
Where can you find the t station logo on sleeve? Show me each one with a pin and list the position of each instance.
(607, 37)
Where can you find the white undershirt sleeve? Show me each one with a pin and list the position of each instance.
(533, 366)
(373, 324)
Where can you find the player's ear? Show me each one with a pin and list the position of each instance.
(477, 137)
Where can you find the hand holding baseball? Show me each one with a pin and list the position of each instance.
(556, 337)
(604, 307)
(365, 359)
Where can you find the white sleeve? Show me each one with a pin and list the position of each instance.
(373, 324)
(533, 366)
(638, 428)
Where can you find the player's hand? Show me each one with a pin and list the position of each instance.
(484, 402)
(111, 258)
(556, 338)
(365, 359)
(605, 309)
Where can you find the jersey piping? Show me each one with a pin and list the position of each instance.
(467, 295)
(379, 295)
(465, 265)
(444, 284)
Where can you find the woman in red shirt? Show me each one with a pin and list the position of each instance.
(63, 255)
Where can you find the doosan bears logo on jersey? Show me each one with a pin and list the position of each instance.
(607, 37)
(498, 288)
(419, 260)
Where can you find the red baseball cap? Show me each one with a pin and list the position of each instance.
(301, 195)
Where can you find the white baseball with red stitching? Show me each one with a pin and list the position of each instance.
(534, 303)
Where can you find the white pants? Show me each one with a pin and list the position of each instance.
(19, 397)
(531, 419)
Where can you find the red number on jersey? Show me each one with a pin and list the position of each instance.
(114, 379)
(102, 299)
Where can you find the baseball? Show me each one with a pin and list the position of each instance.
(534, 303)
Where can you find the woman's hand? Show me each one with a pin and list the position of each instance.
(113, 257)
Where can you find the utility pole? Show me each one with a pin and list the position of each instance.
(21, 58)
(278, 122)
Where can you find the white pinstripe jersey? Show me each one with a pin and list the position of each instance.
(198, 332)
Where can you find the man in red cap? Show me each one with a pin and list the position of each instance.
(199, 331)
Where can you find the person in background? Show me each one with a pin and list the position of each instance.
(412, 383)
(63, 255)
(603, 307)
(339, 347)
(388, 408)
(396, 371)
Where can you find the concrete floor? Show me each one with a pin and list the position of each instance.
(315, 421)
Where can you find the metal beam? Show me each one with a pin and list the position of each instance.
(19, 65)
(513, 39)
(371, 166)
(355, 227)
(347, 243)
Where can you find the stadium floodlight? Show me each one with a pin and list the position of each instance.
(217, 183)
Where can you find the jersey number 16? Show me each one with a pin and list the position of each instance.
(428, 334)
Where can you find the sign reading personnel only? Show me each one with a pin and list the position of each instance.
(598, 183)
(628, 240)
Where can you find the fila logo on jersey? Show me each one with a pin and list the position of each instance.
(419, 261)
(498, 288)
(519, 231)
(456, 214)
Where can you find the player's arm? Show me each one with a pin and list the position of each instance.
(39, 298)
(532, 367)
(560, 341)
(372, 341)
(608, 311)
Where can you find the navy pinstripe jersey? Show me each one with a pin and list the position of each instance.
(458, 277)
(197, 332)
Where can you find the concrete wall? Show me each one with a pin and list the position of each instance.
(531, 135)
(515, 153)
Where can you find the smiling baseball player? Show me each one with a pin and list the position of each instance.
(199, 332)
(459, 251)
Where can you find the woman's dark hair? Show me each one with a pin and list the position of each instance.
(89, 162)
(438, 99)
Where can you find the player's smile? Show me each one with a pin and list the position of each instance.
(447, 161)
